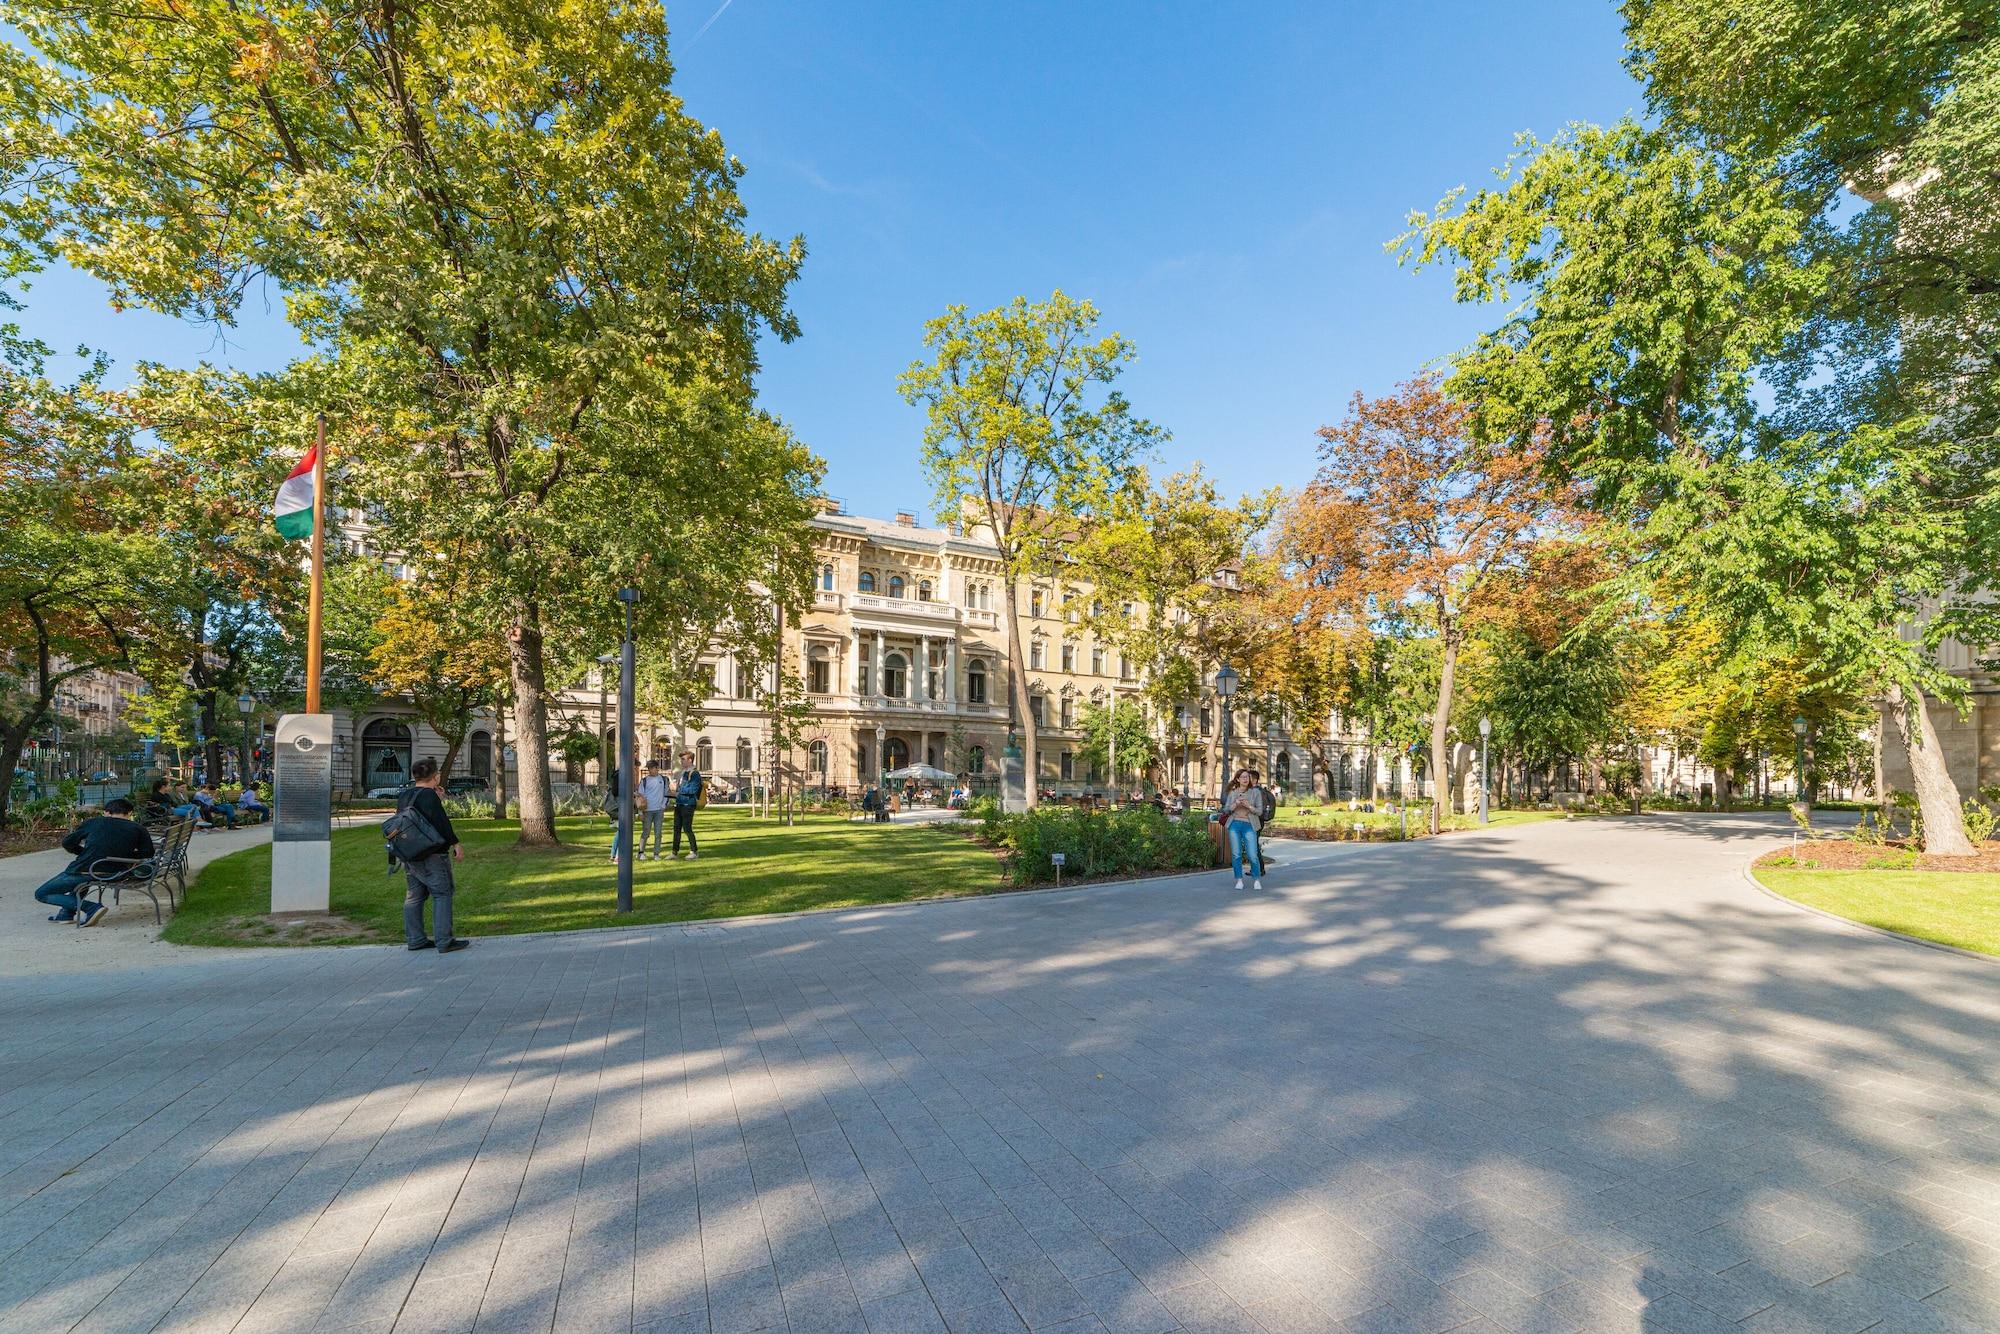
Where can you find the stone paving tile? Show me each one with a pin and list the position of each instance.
(1579, 1079)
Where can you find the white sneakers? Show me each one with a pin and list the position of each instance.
(1256, 884)
(1239, 882)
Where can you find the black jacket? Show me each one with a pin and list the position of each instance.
(106, 836)
(424, 801)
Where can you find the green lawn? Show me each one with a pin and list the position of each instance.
(746, 866)
(1959, 908)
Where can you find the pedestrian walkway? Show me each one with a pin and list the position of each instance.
(31, 945)
(1566, 1076)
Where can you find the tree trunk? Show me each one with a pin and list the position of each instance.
(451, 747)
(531, 730)
(1881, 785)
(1937, 794)
(1018, 687)
(211, 744)
(1440, 724)
(500, 759)
(12, 742)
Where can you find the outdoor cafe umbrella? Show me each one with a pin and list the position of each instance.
(925, 773)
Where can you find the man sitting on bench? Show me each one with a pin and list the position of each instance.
(112, 834)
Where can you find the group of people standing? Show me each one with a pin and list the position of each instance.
(657, 794)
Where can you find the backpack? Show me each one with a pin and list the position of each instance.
(407, 834)
(1270, 806)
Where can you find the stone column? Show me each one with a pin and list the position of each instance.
(852, 681)
(951, 669)
(877, 683)
(924, 651)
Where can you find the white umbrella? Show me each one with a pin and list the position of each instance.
(929, 773)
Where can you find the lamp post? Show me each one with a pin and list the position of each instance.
(1271, 736)
(1799, 773)
(881, 759)
(246, 704)
(1485, 732)
(627, 743)
(604, 661)
(1225, 691)
(1187, 727)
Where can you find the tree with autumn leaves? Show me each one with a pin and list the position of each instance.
(1411, 518)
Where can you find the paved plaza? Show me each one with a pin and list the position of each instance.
(1561, 1077)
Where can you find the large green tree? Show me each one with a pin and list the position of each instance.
(522, 266)
(1026, 439)
(1656, 285)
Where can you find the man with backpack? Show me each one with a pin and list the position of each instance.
(420, 836)
(687, 799)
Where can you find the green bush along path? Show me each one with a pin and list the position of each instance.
(1959, 908)
(746, 866)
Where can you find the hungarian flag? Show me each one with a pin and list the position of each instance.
(293, 510)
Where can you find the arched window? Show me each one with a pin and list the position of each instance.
(1281, 769)
(975, 681)
(385, 754)
(867, 584)
(816, 759)
(975, 759)
(742, 756)
(479, 755)
(895, 754)
(923, 590)
(895, 585)
(895, 675)
(704, 754)
(826, 578)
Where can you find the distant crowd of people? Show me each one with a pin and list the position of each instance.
(205, 805)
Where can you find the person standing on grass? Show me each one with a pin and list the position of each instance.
(1242, 814)
(429, 876)
(687, 798)
(653, 791)
(112, 834)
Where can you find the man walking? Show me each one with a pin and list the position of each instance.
(653, 791)
(112, 834)
(687, 797)
(429, 876)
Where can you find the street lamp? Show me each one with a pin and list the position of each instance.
(1225, 690)
(627, 743)
(1271, 736)
(604, 661)
(1184, 716)
(246, 704)
(1799, 773)
(1485, 732)
(881, 759)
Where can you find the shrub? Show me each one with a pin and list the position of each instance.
(1126, 841)
(1980, 820)
(1869, 830)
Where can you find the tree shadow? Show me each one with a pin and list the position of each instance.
(1563, 1077)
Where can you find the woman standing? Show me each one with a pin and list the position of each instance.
(1244, 807)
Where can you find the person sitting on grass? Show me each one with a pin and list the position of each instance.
(112, 834)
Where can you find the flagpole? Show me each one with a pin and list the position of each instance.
(318, 567)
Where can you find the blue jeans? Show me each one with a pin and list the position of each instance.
(56, 892)
(1243, 843)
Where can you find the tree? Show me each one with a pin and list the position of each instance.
(523, 267)
(76, 562)
(1019, 441)
(1658, 284)
(1136, 748)
(448, 669)
(1410, 516)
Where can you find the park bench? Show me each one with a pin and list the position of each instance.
(148, 875)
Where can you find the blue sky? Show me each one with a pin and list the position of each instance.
(1220, 178)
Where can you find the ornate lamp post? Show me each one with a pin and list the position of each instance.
(1225, 690)
(1186, 718)
(627, 743)
(881, 759)
(1485, 733)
